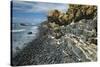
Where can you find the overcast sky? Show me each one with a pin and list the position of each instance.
(33, 12)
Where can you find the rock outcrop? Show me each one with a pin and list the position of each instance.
(63, 38)
(74, 13)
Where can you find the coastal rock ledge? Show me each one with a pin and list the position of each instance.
(62, 42)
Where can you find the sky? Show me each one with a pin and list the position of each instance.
(33, 12)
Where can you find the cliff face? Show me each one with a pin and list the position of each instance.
(64, 38)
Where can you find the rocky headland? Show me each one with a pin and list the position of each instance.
(64, 38)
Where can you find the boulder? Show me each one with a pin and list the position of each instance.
(23, 24)
(29, 32)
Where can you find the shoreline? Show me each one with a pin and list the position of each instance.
(46, 49)
(17, 48)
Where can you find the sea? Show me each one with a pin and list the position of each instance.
(21, 35)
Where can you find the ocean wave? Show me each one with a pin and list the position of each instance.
(35, 27)
(21, 30)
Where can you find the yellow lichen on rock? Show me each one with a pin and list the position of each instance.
(74, 13)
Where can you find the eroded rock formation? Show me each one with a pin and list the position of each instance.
(63, 38)
(74, 13)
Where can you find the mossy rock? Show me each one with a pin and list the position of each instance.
(65, 17)
(75, 13)
(71, 16)
(54, 26)
(78, 15)
(89, 11)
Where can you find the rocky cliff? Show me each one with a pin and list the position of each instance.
(63, 38)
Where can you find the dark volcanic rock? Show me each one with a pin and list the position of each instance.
(29, 32)
(23, 24)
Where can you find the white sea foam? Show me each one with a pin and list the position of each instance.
(18, 30)
(25, 37)
(35, 27)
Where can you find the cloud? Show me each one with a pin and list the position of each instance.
(21, 6)
(28, 20)
(26, 6)
(28, 11)
(21, 20)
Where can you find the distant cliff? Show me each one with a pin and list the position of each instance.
(63, 38)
